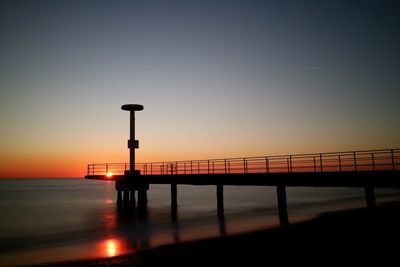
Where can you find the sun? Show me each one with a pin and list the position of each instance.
(109, 174)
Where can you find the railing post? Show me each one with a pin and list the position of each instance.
(229, 167)
(244, 165)
(340, 164)
(266, 165)
(198, 167)
(320, 161)
(355, 161)
(391, 151)
(208, 166)
(291, 163)
(106, 168)
(184, 168)
(191, 167)
(287, 163)
(213, 170)
(151, 168)
(225, 165)
(176, 168)
(373, 161)
(315, 165)
(172, 168)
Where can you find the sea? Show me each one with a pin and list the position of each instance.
(46, 221)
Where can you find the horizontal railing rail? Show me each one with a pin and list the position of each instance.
(350, 161)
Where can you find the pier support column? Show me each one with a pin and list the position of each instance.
(282, 205)
(119, 198)
(126, 198)
(142, 196)
(142, 202)
(370, 197)
(132, 200)
(220, 201)
(174, 198)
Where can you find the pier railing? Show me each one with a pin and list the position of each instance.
(351, 161)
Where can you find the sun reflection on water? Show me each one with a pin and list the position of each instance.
(113, 247)
(109, 201)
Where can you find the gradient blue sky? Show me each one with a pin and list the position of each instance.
(217, 79)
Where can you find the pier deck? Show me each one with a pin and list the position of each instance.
(366, 169)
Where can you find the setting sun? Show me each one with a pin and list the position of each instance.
(109, 174)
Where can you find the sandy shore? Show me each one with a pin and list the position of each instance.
(356, 236)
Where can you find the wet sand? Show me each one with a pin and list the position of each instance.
(346, 237)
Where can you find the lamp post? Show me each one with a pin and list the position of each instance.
(132, 143)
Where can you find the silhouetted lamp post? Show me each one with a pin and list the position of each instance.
(132, 143)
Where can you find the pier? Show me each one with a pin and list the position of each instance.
(366, 169)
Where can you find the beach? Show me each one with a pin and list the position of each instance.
(356, 236)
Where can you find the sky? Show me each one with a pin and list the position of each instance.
(216, 78)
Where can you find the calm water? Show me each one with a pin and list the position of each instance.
(52, 220)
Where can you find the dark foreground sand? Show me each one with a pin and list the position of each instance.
(340, 238)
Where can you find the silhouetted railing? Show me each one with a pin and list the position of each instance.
(368, 160)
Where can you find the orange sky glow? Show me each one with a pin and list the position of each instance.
(248, 78)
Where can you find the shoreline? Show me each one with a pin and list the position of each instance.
(356, 235)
